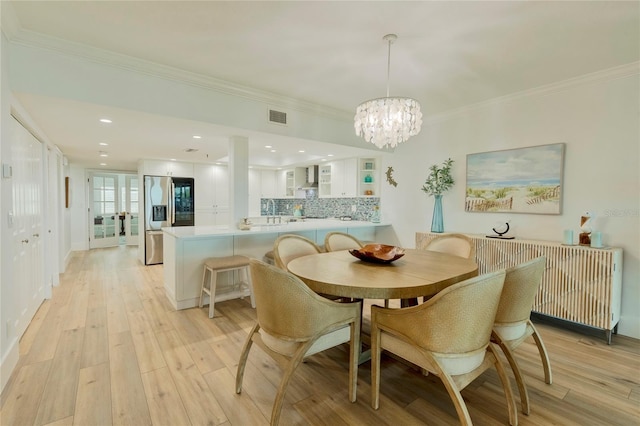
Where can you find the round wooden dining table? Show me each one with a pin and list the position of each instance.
(418, 273)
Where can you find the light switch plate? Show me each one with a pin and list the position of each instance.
(7, 171)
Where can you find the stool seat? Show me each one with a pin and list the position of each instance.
(215, 265)
(269, 258)
(235, 261)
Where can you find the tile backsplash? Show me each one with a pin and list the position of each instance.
(312, 206)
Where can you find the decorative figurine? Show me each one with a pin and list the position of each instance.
(501, 230)
(585, 227)
(390, 178)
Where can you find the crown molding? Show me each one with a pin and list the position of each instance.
(609, 74)
(104, 57)
(9, 22)
(16, 35)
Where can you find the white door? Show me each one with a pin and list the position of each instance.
(132, 208)
(27, 219)
(105, 221)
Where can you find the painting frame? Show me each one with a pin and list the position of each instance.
(526, 180)
(66, 192)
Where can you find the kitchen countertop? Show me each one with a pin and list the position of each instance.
(209, 231)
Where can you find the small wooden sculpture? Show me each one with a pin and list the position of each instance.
(390, 178)
(585, 227)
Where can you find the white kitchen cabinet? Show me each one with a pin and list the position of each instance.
(324, 181)
(268, 184)
(343, 178)
(167, 168)
(293, 180)
(283, 180)
(211, 194)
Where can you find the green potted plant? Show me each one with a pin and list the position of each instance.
(438, 182)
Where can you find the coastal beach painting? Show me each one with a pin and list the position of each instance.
(523, 180)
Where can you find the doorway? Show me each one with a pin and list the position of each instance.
(113, 211)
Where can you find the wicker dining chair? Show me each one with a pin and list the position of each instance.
(456, 244)
(335, 241)
(291, 246)
(293, 323)
(448, 336)
(513, 324)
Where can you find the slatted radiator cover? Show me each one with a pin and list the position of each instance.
(580, 284)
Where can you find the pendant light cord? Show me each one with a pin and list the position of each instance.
(390, 38)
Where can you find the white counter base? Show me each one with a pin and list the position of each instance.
(186, 248)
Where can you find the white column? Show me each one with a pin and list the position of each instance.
(238, 179)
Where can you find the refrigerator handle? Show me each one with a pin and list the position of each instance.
(172, 203)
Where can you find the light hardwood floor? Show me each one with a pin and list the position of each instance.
(108, 349)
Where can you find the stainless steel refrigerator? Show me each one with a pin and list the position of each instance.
(168, 201)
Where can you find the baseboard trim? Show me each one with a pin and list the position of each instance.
(9, 362)
(570, 325)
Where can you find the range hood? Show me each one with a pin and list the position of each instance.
(312, 178)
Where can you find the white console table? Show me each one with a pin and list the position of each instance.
(580, 284)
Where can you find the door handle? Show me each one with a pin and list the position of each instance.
(172, 201)
(26, 241)
(36, 235)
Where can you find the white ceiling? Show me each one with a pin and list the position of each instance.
(449, 54)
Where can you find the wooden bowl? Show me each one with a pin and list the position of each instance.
(378, 253)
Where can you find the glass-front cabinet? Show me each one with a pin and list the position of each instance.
(353, 177)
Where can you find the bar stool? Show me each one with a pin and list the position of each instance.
(269, 258)
(215, 265)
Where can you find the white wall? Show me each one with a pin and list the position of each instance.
(8, 343)
(78, 214)
(597, 119)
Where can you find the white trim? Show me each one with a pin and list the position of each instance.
(9, 362)
(104, 57)
(622, 71)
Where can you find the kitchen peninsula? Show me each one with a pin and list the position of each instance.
(186, 248)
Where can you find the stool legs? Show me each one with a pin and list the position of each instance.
(213, 281)
(211, 291)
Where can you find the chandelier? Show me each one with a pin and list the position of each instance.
(388, 121)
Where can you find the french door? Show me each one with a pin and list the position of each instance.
(105, 223)
(113, 215)
(132, 209)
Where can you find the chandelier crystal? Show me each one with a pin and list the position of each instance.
(388, 121)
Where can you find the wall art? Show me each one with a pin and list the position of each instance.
(523, 180)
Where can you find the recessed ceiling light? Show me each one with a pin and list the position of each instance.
(268, 146)
(173, 159)
(329, 155)
(103, 144)
(103, 164)
(103, 154)
(301, 151)
(105, 120)
(324, 159)
(273, 150)
(197, 137)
